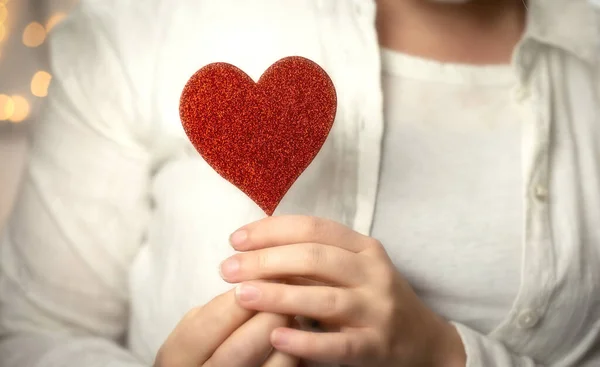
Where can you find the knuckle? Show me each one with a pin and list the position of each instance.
(315, 256)
(312, 226)
(331, 304)
(375, 243)
(351, 349)
(338, 305)
(263, 261)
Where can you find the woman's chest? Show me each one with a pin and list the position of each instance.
(196, 210)
(252, 35)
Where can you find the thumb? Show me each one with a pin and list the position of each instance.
(280, 359)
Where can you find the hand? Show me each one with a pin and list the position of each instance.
(380, 320)
(222, 333)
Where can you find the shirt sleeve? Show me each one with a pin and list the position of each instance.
(82, 211)
(482, 350)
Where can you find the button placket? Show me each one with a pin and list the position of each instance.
(540, 192)
(528, 319)
(530, 307)
(521, 93)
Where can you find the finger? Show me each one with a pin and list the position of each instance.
(303, 281)
(290, 229)
(250, 344)
(188, 344)
(349, 347)
(310, 322)
(309, 260)
(280, 359)
(328, 304)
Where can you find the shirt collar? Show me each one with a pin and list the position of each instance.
(571, 25)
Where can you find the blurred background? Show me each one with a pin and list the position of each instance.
(24, 81)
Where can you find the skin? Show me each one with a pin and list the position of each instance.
(222, 333)
(333, 274)
(374, 317)
(471, 32)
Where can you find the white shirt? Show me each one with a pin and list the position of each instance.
(102, 242)
(450, 177)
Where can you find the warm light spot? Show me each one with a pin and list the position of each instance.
(2, 32)
(34, 35)
(54, 20)
(7, 107)
(21, 109)
(39, 83)
(3, 13)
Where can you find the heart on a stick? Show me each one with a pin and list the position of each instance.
(260, 136)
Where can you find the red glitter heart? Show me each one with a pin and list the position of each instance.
(259, 136)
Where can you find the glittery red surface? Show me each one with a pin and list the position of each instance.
(259, 136)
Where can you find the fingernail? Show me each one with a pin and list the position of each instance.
(238, 238)
(280, 337)
(247, 293)
(229, 267)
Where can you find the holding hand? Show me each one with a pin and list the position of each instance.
(221, 333)
(380, 321)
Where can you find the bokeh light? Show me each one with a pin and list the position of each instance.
(39, 83)
(54, 20)
(7, 107)
(17, 101)
(21, 109)
(3, 13)
(34, 34)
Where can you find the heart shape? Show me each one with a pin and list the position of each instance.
(259, 136)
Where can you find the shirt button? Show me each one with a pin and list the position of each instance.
(528, 319)
(522, 93)
(358, 9)
(541, 192)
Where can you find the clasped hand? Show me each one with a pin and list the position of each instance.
(371, 314)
